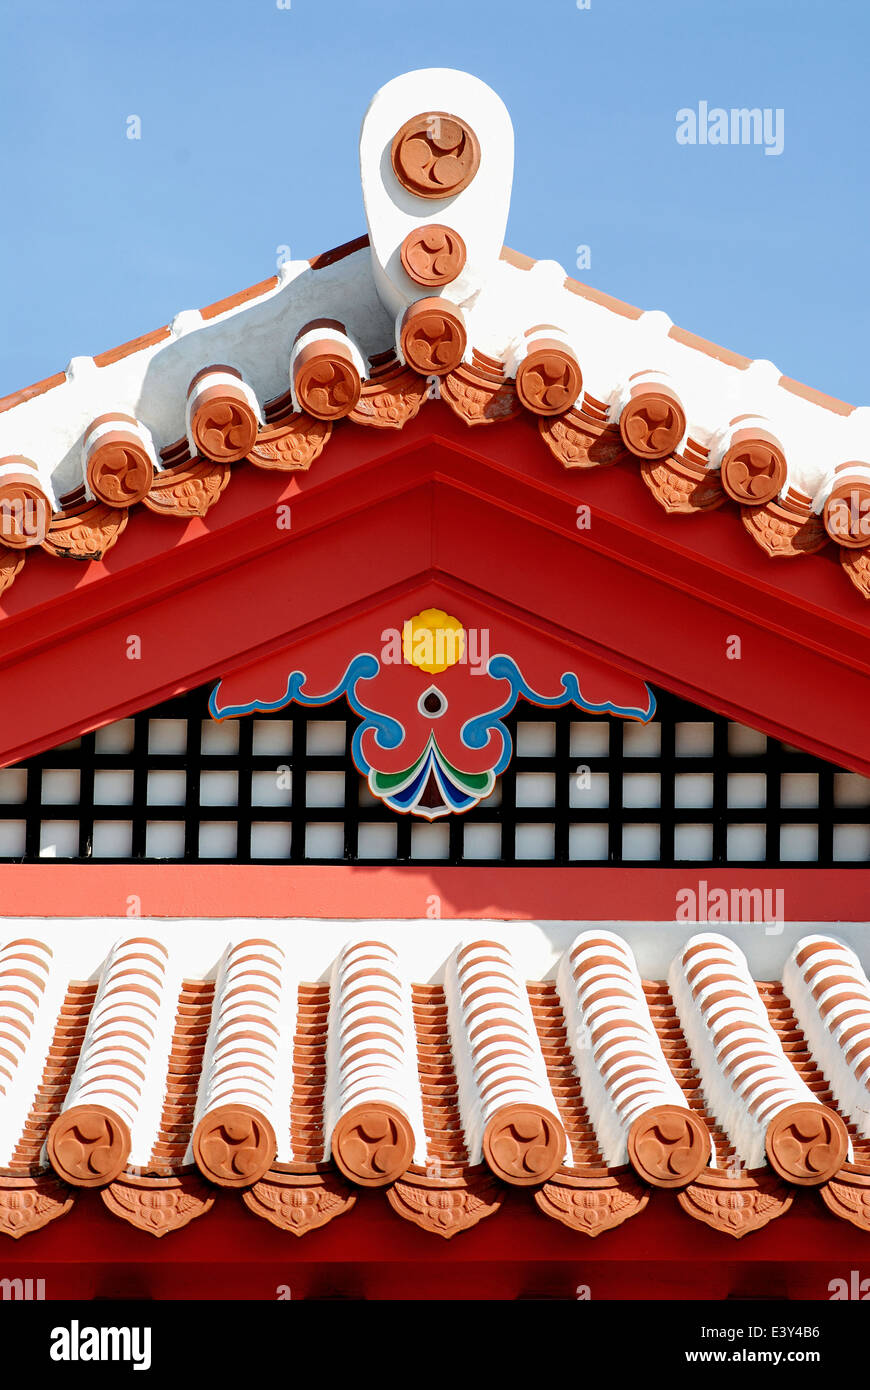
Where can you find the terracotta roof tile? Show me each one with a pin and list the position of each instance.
(232, 301)
(517, 258)
(338, 253)
(27, 393)
(607, 301)
(184, 1067)
(692, 340)
(808, 393)
(305, 1120)
(157, 335)
(590, 1088)
(729, 1028)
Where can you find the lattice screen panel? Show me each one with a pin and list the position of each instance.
(690, 787)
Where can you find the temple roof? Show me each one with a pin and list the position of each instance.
(443, 1063)
(429, 305)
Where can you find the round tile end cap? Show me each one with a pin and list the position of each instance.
(669, 1146)
(549, 379)
(435, 154)
(326, 381)
(88, 1145)
(234, 1145)
(432, 255)
(224, 424)
(120, 472)
(432, 336)
(25, 509)
(524, 1144)
(373, 1144)
(754, 470)
(846, 514)
(807, 1143)
(652, 424)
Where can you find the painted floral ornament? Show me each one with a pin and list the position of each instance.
(432, 692)
(432, 641)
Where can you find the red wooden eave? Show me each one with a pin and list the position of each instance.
(488, 514)
(371, 1252)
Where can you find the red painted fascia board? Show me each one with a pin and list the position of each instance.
(645, 1253)
(86, 680)
(338, 485)
(259, 612)
(369, 892)
(461, 504)
(679, 641)
(344, 485)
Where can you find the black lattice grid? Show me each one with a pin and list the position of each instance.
(689, 788)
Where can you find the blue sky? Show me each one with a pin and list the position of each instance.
(250, 118)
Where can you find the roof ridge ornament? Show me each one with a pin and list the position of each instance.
(429, 306)
(440, 142)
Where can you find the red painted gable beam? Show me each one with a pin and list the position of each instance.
(371, 1252)
(369, 892)
(488, 514)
